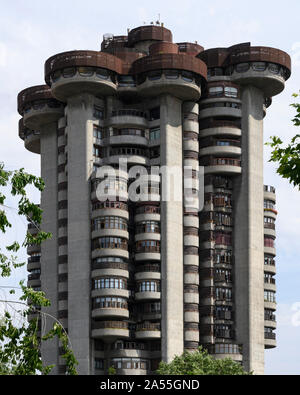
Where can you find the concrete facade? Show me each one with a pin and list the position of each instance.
(137, 281)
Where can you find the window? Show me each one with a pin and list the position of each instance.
(187, 76)
(216, 91)
(154, 114)
(154, 152)
(269, 204)
(148, 286)
(98, 112)
(259, 66)
(154, 75)
(269, 261)
(109, 223)
(98, 132)
(99, 364)
(230, 91)
(126, 80)
(86, 71)
(56, 76)
(128, 132)
(112, 283)
(274, 68)
(97, 151)
(102, 73)
(223, 294)
(154, 134)
(270, 296)
(69, 72)
(242, 67)
(269, 242)
(148, 246)
(110, 242)
(148, 227)
(171, 74)
(223, 312)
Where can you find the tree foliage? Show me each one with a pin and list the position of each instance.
(200, 363)
(288, 157)
(20, 344)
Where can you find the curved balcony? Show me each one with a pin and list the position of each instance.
(31, 138)
(171, 73)
(128, 118)
(270, 340)
(33, 265)
(147, 236)
(74, 72)
(269, 193)
(191, 316)
(110, 232)
(147, 216)
(110, 292)
(270, 250)
(220, 111)
(110, 209)
(269, 212)
(133, 154)
(147, 272)
(269, 230)
(221, 165)
(225, 350)
(110, 330)
(191, 335)
(148, 253)
(113, 252)
(191, 145)
(110, 267)
(38, 107)
(33, 249)
(148, 331)
(34, 281)
(212, 127)
(271, 324)
(110, 312)
(270, 305)
(191, 278)
(146, 296)
(269, 77)
(126, 140)
(172, 83)
(270, 268)
(220, 146)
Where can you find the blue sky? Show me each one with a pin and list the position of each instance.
(33, 30)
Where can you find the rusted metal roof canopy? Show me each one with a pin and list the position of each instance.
(170, 61)
(243, 53)
(149, 32)
(34, 93)
(82, 59)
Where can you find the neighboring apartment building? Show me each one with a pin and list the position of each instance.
(139, 282)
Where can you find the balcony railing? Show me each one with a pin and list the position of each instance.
(207, 124)
(109, 325)
(110, 265)
(148, 327)
(270, 336)
(148, 268)
(132, 113)
(268, 225)
(269, 188)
